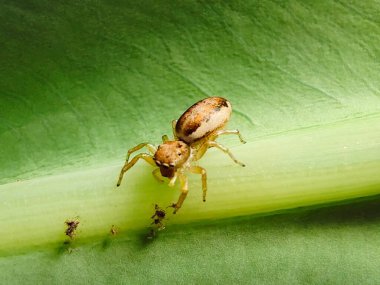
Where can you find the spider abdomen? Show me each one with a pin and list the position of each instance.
(203, 118)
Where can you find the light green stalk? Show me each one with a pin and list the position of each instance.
(293, 169)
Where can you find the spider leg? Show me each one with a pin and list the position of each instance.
(184, 191)
(201, 171)
(165, 138)
(157, 174)
(173, 180)
(225, 150)
(152, 149)
(147, 157)
(174, 123)
(230, 132)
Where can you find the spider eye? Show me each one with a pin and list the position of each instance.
(171, 164)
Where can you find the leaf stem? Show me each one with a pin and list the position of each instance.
(293, 169)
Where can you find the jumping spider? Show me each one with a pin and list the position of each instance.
(194, 132)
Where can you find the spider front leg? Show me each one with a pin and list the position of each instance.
(173, 180)
(157, 174)
(152, 149)
(184, 190)
(147, 157)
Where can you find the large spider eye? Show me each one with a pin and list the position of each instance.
(171, 164)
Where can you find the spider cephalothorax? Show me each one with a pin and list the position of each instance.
(170, 156)
(194, 132)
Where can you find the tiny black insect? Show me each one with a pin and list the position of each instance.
(72, 225)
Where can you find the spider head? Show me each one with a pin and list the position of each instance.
(170, 156)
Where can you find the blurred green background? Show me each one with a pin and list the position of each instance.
(82, 81)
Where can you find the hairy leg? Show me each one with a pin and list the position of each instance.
(201, 171)
(184, 191)
(225, 150)
(147, 157)
(152, 149)
(165, 138)
(230, 132)
(157, 174)
(173, 180)
(174, 123)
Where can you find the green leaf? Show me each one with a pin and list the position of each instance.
(325, 246)
(82, 82)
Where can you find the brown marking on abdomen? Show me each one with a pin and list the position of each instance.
(199, 113)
